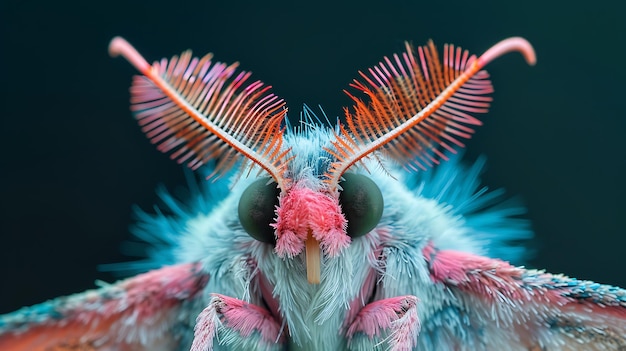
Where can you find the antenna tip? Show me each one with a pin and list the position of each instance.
(119, 46)
(525, 48)
(115, 46)
(507, 45)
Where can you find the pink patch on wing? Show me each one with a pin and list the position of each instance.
(499, 282)
(488, 277)
(130, 314)
(303, 209)
(151, 292)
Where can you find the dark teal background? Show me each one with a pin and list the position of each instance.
(74, 162)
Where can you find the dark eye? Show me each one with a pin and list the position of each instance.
(256, 209)
(361, 202)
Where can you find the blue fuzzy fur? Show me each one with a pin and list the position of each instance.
(446, 206)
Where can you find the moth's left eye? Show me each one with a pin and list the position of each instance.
(361, 202)
(256, 209)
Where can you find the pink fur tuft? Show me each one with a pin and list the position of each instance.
(205, 329)
(239, 315)
(303, 209)
(491, 278)
(397, 315)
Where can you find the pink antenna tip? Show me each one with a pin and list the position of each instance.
(119, 46)
(508, 45)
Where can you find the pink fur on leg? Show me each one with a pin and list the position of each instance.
(243, 317)
(398, 315)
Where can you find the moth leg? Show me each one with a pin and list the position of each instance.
(388, 324)
(236, 325)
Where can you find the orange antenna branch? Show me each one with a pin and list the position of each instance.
(418, 106)
(197, 111)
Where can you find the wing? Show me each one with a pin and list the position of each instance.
(530, 308)
(146, 312)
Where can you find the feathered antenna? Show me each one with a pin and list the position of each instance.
(417, 105)
(197, 111)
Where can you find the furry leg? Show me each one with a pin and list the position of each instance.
(392, 321)
(237, 325)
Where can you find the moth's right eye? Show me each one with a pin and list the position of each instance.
(361, 202)
(256, 209)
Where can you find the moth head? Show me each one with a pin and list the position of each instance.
(415, 108)
(309, 218)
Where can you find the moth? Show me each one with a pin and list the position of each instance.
(326, 237)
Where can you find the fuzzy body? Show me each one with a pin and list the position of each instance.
(438, 210)
(432, 243)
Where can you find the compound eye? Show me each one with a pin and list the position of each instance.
(361, 202)
(256, 209)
